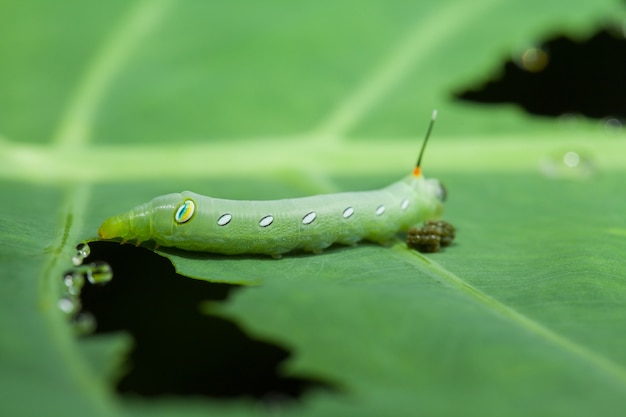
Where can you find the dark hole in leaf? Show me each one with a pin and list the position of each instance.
(580, 77)
(178, 349)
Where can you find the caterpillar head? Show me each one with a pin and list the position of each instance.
(115, 226)
(133, 225)
(152, 220)
(430, 193)
(437, 189)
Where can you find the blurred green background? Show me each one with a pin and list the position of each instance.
(105, 105)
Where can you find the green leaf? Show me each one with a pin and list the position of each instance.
(106, 106)
(521, 307)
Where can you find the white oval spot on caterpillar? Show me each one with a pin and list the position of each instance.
(224, 219)
(309, 217)
(184, 212)
(405, 204)
(349, 211)
(380, 210)
(266, 221)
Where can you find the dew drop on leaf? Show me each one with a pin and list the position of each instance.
(533, 59)
(69, 305)
(84, 323)
(74, 281)
(571, 159)
(82, 251)
(613, 125)
(99, 272)
(569, 164)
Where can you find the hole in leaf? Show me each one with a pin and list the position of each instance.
(563, 76)
(179, 350)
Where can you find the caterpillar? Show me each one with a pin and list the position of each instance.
(194, 222)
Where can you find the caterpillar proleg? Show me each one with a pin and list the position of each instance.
(195, 222)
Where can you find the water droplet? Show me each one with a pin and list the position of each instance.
(570, 120)
(99, 272)
(570, 164)
(82, 251)
(84, 323)
(69, 305)
(534, 59)
(571, 159)
(95, 272)
(612, 125)
(74, 281)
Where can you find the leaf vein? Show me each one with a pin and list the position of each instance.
(600, 362)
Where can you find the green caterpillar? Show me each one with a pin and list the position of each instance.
(194, 222)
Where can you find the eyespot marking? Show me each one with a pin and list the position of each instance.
(349, 211)
(309, 217)
(224, 219)
(185, 212)
(380, 210)
(266, 221)
(404, 204)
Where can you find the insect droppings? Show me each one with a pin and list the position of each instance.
(431, 237)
